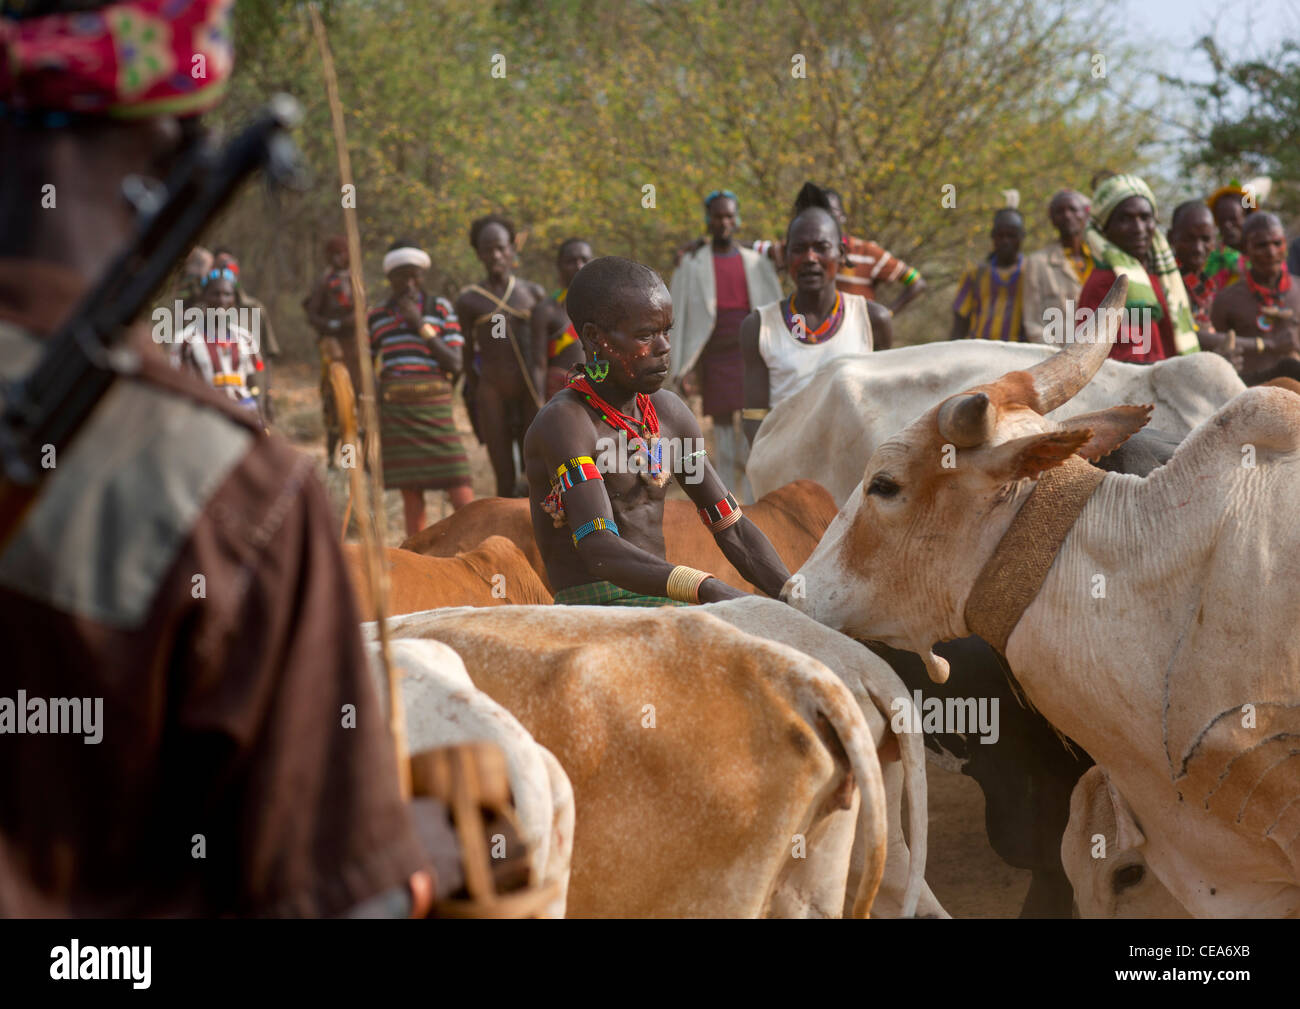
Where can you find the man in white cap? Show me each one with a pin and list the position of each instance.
(417, 345)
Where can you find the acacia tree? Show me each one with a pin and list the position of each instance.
(611, 120)
(1251, 112)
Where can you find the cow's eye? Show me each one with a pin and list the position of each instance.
(1130, 875)
(882, 486)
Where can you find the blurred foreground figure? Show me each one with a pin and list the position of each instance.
(186, 719)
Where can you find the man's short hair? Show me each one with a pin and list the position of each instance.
(559, 253)
(476, 227)
(1061, 194)
(1009, 214)
(1260, 220)
(600, 291)
(1186, 209)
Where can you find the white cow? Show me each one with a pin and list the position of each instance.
(1164, 636)
(829, 430)
(444, 707)
(1101, 850)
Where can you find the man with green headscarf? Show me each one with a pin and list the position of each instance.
(1124, 239)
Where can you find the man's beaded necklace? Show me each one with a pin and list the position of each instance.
(642, 434)
(794, 322)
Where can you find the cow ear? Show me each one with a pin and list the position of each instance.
(1128, 835)
(1027, 457)
(1110, 428)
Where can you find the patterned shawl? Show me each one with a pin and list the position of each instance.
(1109, 195)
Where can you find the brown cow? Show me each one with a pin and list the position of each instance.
(420, 583)
(792, 517)
(1290, 384)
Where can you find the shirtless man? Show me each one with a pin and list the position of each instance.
(556, 347)
(1264, 309)
(600, 530)
(494, 315)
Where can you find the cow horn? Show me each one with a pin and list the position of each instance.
(967, 420)
(1062, 375)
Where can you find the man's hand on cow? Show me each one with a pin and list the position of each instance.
(690, 384)
(714, 590)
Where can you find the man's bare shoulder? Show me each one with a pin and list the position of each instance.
(672, 408)
(563, 417)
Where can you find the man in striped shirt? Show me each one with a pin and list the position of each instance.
(869, 265)
(418, 348)
(988, 303)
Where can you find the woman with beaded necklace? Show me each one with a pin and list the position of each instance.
(786, 342)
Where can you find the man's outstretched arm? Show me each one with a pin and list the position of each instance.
(740, 541)
(604, 553)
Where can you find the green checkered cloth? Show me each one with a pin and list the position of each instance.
(608, 594)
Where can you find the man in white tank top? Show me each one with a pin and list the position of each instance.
(784, 343)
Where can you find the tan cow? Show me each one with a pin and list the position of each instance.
(714, 773)
(493, 573)
(1163, 636)
(1101, 850)
(793, 518)
(880, 695)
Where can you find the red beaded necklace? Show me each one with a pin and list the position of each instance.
(1268, 298)
(645, 431)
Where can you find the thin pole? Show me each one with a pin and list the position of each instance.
(371, 525)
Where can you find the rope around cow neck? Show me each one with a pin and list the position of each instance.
(1013, 576)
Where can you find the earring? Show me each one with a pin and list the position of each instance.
(597, 371)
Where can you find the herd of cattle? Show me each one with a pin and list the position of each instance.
(744, 758)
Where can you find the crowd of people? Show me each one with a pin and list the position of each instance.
(183, 568)
(1217, 280)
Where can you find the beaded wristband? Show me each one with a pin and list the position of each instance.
(609, 525)
(684, 583)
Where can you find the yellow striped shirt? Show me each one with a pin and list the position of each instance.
(990, 299)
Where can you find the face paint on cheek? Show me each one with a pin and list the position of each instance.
(622, 358)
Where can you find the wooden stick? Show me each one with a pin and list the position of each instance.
(371, 525)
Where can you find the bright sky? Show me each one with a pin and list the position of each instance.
(1173, 27)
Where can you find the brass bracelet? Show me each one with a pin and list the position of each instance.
(754, 412)
(1259, 345)
(684, 583)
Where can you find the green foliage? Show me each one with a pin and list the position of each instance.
(601, 98)
(1252, 115)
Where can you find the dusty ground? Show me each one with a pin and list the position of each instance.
(962, 870)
